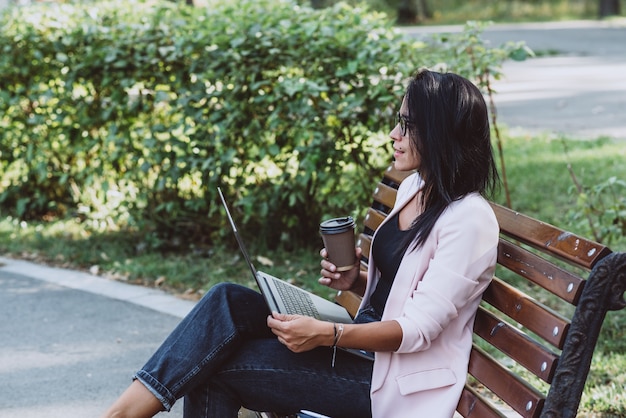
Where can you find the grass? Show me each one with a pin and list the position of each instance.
(124, 256)
(457, 12)
(540, 184)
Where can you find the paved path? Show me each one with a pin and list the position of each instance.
(576, 87)
(69, 341)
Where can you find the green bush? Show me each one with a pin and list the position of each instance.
(130, 114)
(600, 210)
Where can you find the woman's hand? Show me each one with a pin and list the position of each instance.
(300, 333)
(339, 280)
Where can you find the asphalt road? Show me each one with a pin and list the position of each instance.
(70, 341)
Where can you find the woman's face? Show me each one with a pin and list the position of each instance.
(404, 154)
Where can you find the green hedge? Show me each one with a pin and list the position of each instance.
(130, 114)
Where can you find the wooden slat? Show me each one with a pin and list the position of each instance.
(473, 405)
(385, 195)
(572, 248)
(516, 345)
(522, 308)
(558, 281)
(396, 176)
(364, 242)
(518, 394)
(348, 300)
(373, 219)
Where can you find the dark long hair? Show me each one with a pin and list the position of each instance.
(449, 129)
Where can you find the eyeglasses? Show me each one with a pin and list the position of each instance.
(404, 123)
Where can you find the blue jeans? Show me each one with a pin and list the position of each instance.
(222, 356)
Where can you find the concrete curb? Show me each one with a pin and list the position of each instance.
(154, 299)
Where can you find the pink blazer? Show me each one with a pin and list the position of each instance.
(434, 298)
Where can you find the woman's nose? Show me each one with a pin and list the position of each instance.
(395, 133)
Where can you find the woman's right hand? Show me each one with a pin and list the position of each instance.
(339, 280)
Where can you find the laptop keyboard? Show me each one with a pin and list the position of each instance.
(296, 301)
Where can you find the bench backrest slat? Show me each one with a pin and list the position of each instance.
(473, 404)
(516, 344)
(516, 392)
(394, 177)
(364, 242)
(385, 195)
(527, 312)
(556, 280)
(572, 248)
(373, 219)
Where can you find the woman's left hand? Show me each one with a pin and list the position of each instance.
(300, 333)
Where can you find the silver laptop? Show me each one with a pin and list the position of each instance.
(284, 297)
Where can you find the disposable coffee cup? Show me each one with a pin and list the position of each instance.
(338, 237)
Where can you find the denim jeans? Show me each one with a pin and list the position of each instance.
(222, 356)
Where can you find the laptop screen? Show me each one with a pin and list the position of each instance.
(242, 247)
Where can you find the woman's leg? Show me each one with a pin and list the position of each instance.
(263, 375)
(136, 402)
(226, 316)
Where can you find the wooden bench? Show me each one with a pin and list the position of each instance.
(538, 324)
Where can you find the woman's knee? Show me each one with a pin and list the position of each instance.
(235, 299)
(229, 293)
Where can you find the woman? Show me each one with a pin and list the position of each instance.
(429, 264)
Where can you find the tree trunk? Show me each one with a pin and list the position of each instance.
(609, 8)
(318, 4)
(412, 11)
(423, 10)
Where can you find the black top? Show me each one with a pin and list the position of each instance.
(385, 250)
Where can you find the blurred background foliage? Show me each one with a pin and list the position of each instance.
(129, 115)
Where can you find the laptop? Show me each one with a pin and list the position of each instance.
(283, 297)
